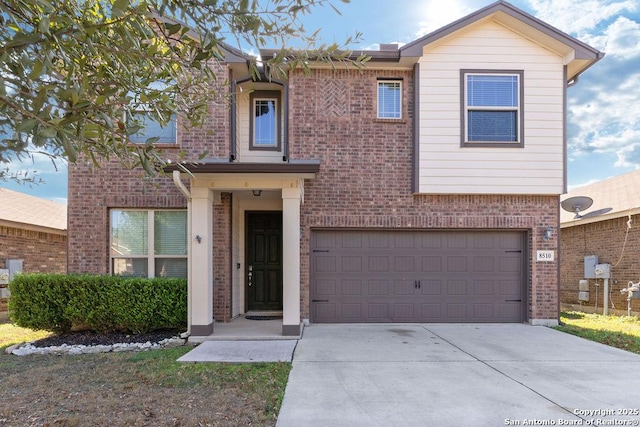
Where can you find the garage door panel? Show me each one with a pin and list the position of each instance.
(325, 264)
(483, 311)
(484, 287)
(456, 264)
(404, 287)
(457, 287)
(483, 264)
(379, 312)
(431, 240)
(403, 312)
(457, 241)
(351, 264)
(430, 312)
(326, 287)
(351, 311)
(379, 263)
(378, 287)
(352, 241)
(431, 287)
(351, 287)
(457, 312)
(432, 264)
(417, 276)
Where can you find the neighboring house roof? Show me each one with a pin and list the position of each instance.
(620, 194)
(24, 211)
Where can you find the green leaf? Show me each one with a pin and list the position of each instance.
(38, 67)
(48, 132)
(119, 7)
(26, 125)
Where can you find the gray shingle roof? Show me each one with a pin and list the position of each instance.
(30, 210)
(620, 193)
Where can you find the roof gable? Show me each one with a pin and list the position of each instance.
(577, 55)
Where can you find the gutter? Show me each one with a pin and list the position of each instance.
(187, 195)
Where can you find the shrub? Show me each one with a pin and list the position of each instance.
(58, 303)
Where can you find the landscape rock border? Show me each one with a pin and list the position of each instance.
(23, 349)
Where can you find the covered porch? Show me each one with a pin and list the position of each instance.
(252, 255)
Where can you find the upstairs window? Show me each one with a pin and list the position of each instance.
(265, 120)
(389, 99)
(492, 110)
(152, 129)
(149, 243)
(140, 116)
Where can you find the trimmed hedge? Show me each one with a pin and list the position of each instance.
(58, 303)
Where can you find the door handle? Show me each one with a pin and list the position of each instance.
(250, 275)
(419, 284)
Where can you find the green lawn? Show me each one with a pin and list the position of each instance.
(617, 331)
(134, 388)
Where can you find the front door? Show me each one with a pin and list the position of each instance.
(264, 261)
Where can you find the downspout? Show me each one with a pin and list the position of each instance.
(187, 194)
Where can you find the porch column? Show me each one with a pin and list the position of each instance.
(201, 262)
(291, 261)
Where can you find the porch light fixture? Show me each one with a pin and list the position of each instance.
(548, 232)
(256, 193)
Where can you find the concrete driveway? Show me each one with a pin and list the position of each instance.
(457, 375)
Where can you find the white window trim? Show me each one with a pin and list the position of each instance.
(399, 82)
(275, 122)
(518, 109)
(150, 256)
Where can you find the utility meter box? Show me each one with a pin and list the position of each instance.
(4, 276)
(14, 266)
(603, 271)
(4, 281)
(590, 262)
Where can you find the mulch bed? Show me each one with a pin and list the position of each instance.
(94, 338)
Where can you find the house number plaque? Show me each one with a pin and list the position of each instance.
(545, 256)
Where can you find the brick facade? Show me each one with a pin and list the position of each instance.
(366, 175)
(365, 181)
(41, 252)
(606, 239)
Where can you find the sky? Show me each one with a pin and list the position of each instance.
(603, 132)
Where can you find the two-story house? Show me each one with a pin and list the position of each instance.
(424, 188)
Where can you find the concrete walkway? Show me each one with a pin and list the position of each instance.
(457, 375)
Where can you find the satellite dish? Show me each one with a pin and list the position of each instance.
(595, 213)
(576, 205)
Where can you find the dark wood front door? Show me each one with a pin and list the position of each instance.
(264, 261)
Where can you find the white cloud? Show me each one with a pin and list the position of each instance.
(579, 16)
(437, 16)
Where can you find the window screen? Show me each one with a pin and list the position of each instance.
(389, 99)
(492, 107)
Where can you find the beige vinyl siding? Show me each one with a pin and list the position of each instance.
(246, 155)
(447, 168)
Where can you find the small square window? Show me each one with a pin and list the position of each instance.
(153, 129)
(389, 99)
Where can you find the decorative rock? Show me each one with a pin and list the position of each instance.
(28, 348)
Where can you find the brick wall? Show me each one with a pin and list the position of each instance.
(606, 239)
(364, 181)
(366, 174)
(222, 259)
(92, 191)
(41, 252)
